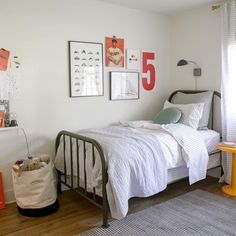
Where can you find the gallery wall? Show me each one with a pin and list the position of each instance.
(38, 32)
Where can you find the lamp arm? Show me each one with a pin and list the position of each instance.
(193, 62)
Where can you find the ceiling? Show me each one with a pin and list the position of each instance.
(162, 6)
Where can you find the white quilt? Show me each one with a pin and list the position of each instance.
(138, 156)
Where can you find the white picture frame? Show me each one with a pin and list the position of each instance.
(124, 85)
(133, 59)
(86, 69)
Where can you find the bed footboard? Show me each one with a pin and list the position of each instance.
(92, 197)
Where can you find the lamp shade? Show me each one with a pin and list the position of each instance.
(182, 62)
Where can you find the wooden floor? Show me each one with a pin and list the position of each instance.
(76, 214)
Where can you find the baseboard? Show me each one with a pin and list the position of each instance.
(9, 196)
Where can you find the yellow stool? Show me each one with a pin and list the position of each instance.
(230, 189)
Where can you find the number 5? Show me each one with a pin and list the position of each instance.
(148, 85)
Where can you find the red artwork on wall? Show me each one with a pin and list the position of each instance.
(114, 52)
(4, 56)
(148, 70)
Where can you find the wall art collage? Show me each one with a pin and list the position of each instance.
(86, 69)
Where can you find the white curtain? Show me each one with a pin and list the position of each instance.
(228, 84)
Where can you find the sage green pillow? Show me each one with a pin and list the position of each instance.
(168, 116)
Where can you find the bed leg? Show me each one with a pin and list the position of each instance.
(221, 171)
(59, 181)
(221, 165)
(105, 210)
(105, 217)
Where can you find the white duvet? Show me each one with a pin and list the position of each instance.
(139, 155)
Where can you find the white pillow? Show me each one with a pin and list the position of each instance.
(204, 97)
(191, 113)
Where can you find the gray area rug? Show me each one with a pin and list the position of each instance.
(195, 213)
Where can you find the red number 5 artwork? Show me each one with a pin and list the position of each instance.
(149, 72)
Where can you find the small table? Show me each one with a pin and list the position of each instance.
(230, 189)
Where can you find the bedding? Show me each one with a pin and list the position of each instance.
(191, 113)
(139, 155)
(204, 97)
(210, 138)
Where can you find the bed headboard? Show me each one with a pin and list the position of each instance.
(215, 115)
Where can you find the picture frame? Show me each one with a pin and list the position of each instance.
(4, 107)
(115, 51)
(133, 59)
(86, 69)
(124, 85)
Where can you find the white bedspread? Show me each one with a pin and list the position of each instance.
(194, 151)
(138, 159)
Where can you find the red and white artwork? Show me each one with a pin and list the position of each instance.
(148, 70)
(4, 57)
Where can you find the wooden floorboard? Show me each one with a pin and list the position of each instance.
(77, 214)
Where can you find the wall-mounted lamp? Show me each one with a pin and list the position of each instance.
(197, 71)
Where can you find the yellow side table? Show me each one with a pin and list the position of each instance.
(230, 189)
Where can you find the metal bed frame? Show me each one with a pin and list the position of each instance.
(92, 197)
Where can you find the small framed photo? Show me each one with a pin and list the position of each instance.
(4, 108)
(86, 69)
(114, 52)
(133, 59)
(124, 85)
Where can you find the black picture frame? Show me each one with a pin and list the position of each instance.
(89, 71)
(133, 94)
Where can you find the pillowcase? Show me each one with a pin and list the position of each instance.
(204, 97)
(191, 113)
(168, 116)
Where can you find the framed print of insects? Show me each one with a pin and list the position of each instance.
(86, 69)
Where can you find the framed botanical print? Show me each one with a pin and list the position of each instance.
(124, 85)
(86, 69)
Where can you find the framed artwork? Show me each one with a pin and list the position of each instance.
(4, 57)
(148, 70)
(132, 59)
(124, 85)
(4, 107)
(114, 52)
(86, 69)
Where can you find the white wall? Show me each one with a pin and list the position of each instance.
(195, 35)
(38, 32)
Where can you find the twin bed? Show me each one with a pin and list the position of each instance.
(108, 166)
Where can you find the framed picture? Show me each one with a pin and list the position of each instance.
(124, 85)
(86, 69)
(133, 59)
(114, 52)
(4, 107)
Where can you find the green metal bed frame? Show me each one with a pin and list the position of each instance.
(92, 197)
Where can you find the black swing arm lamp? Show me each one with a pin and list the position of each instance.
(197, 71)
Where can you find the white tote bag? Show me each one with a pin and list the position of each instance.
(35, 189)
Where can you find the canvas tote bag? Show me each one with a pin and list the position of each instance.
(35, 189)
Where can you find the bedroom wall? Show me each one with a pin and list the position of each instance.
(195, 35)
(38, 32)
